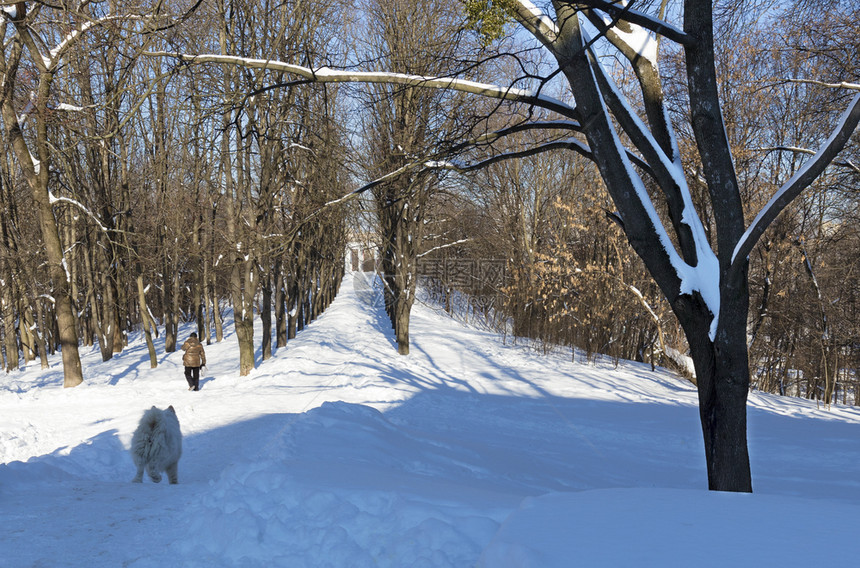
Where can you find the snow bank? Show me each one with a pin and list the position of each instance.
(333, 505)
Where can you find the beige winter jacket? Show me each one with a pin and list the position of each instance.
(194, 356)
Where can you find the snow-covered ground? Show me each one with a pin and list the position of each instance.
(338, 452)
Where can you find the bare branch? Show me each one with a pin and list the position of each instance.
(566, 144)
(492, 137)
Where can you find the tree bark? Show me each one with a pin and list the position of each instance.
(147, 323)
(9, 332)
(722, 391)
(266, 317)
(280, 305)
(37, 180)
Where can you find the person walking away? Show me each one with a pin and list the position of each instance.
(194, 358)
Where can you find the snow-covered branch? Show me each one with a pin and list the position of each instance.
(66, 107)
(635, 128)
(842, 85)
(81, 206)
(53, 57)
(49, 62)
(440, 247)
(845, 164)
(635, 43)
(329, 75)
(799, 181)
(535, 21)
(9, 11)
(623, 11)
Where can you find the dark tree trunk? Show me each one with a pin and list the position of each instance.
(10, 334)
(280, 306)
(243, 316)
(146, 322)
(38, 183)
(720, 361)
(722, 374)
(266, 317)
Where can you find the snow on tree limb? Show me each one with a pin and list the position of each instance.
(51, 61)
(54, 55)
(54, 199)
(440, 247)
(801, 179)
(623, 11)
(535, 21)
(329, 75)
(845, 164)
(634, 127)
(842, 85)
(638, 42)
(696, 266)
(665, 169)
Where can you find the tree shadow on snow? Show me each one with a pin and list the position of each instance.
(457, 443)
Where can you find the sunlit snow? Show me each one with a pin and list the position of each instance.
(467, 452)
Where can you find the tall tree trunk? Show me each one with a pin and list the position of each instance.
(105, 311)
(7, 304)
(206, 307)
(216, 317)
(147, 323)
(266, 316)
(41, 344)
(211, 285)
(293, 301)
(169, 268)
(722, 380)
(37, 178)
(167, 303)
(724, 385)
(243, 314)
(28, 347)
(280, 305)
(72, 371)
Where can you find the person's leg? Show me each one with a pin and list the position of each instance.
(196, 378)
(188, 378)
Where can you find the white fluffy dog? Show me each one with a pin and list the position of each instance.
(157, 445)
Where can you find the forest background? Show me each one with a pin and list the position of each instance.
(140, 191)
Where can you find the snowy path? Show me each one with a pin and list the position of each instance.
(339, 452)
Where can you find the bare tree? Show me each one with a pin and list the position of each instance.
(421, 38)
(34, 155)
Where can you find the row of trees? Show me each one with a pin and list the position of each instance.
(136, 196)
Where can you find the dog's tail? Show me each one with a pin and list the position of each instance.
(151, 434)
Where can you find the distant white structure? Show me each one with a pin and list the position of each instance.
(362, 254)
